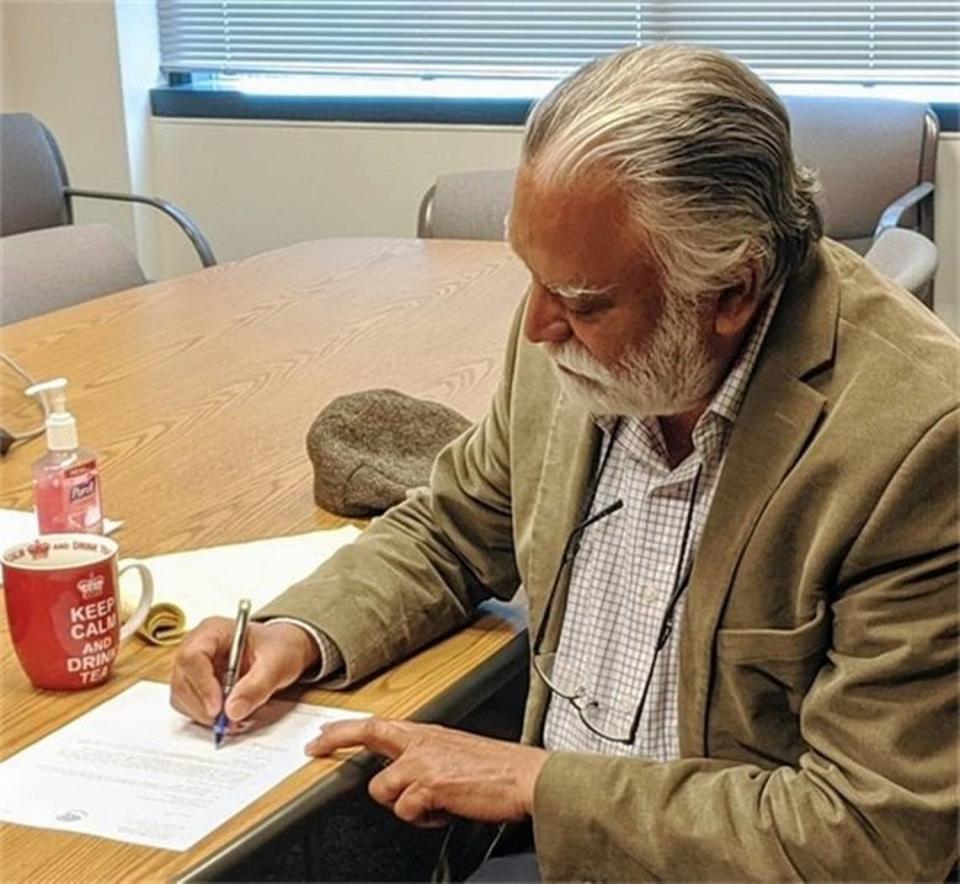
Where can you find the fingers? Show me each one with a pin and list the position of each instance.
(386, 787)
(436, 771)
(415, 806)
(265, 677)
(273, 658)
(195, 688)
(388, 738)
(399, 788)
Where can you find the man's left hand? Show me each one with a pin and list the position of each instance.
(434, 772)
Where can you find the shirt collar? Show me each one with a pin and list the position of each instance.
(727, 400)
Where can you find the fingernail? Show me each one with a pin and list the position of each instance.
(308, 749)
(239, 709)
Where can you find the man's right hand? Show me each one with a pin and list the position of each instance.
(275, 655)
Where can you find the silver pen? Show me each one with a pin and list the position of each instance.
(233, 667)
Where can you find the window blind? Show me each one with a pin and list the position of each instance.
(863, 41)
(471, 38)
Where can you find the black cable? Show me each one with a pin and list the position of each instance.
(10, 438)
(6, 442)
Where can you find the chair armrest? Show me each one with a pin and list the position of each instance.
(196, 237)
(424, 214)
(893, 213)
(907, 257)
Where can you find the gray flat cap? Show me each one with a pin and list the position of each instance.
(369, 448)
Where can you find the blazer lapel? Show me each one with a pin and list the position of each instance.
(778, 416)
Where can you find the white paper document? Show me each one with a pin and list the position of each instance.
(132, 769)
(199, 583)
(17, 526)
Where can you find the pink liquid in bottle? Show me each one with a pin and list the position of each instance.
(66, 488)
(66, 481)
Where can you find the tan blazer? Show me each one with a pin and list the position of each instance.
(818, 681)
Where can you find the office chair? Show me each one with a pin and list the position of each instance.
(466, 205)
(47, 261)
(56, 267)
(875, 158)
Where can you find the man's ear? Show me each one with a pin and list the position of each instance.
(737, 304)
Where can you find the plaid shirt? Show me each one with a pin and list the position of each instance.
(625, 571)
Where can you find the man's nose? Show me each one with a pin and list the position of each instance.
(546, 321)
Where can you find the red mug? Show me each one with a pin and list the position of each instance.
(62, 601)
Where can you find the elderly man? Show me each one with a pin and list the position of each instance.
(723, 462)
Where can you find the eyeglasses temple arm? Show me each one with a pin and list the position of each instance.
(568, 548)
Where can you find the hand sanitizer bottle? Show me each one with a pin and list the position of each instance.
(66, 481)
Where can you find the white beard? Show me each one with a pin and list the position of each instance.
(674, 373)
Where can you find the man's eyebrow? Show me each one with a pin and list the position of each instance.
(578, 292)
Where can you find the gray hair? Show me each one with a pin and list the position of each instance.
(702, 148)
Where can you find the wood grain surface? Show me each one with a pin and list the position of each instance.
(198, 393)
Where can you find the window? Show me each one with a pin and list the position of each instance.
(514, 49)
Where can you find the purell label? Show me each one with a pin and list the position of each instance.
(81, 497)
(83, 488)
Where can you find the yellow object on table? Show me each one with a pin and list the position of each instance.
(166, 624)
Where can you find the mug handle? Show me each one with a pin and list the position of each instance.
(146, 598)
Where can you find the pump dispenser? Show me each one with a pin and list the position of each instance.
(66, 480)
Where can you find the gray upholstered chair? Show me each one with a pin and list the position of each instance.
(47, 262)
(44, 270)
(466, 205)
(875, 157)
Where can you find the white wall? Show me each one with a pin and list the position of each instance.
(256, 185)
(60, 61)
(138, 71)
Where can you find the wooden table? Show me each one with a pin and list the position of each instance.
(198, 392)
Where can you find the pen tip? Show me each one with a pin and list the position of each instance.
(217, 740)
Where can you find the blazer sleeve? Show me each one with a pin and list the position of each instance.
(874, 796)
(419, 571)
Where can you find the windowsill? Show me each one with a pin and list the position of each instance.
(211, 100)
(202, 101)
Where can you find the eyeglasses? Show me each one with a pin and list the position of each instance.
(589, 710)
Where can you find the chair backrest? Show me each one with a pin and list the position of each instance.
(44, 270)
(466, 205)
(868, 152)
(32, 176)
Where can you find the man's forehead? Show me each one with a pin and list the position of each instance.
(579, 241)
(591, 191)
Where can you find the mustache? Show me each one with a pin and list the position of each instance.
(572, 357)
